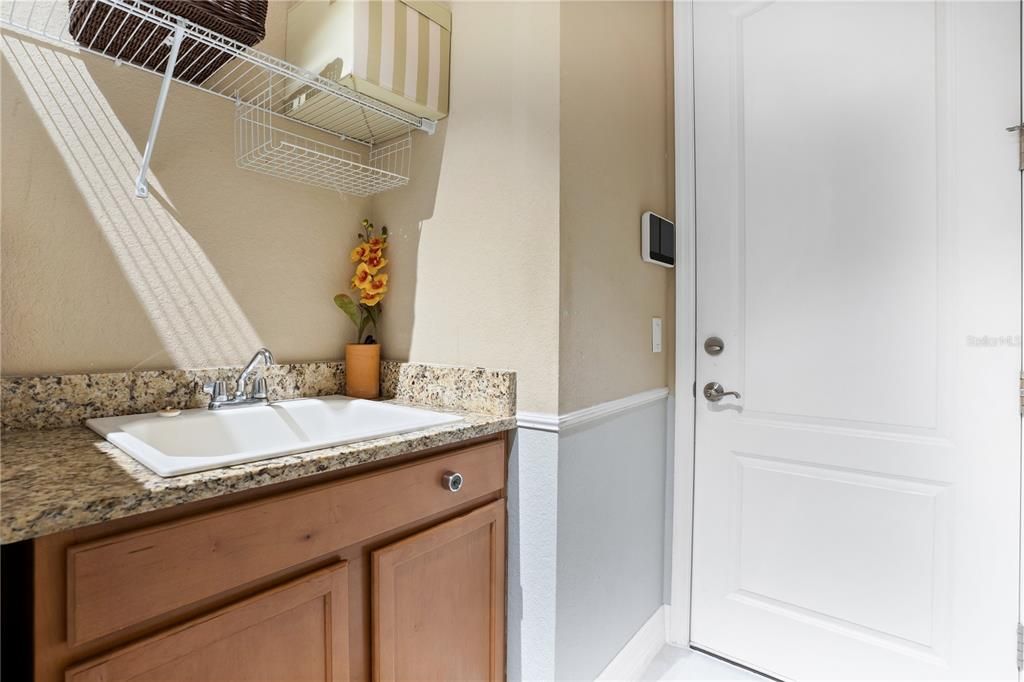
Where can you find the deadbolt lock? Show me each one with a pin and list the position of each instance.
(714, 345)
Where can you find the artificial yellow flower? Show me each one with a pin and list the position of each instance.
(366, 298)
(360, 253)
(378, 285)
(377, 244)
(375, 261)
(363, 277)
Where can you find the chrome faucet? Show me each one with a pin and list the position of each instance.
(218, 390)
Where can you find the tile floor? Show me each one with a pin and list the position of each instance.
(673, 663)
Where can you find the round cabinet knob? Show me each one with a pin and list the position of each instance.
(452, 481)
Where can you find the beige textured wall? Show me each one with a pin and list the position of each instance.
(475, 234)
(526, 200)
(617, 161)
(218, 261)
(223, 259)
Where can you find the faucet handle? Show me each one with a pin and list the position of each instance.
(218, 391)
(259, 388)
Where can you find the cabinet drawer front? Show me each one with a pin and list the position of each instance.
(126, 579)
(296, 631)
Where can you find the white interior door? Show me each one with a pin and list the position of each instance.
(858, 251)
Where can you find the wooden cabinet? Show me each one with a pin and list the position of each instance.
(387, 575)
(247, 542)
(439, 601)
(298, 631)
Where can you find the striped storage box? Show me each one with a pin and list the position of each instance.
(397, 51)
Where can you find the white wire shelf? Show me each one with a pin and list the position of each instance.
(263, 147)
(244, 74)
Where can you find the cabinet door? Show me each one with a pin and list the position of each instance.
(439, 601)
(297, 631)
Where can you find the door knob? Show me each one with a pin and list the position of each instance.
(714, 392)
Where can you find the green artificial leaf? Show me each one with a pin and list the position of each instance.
(345, 302)
(374, 312)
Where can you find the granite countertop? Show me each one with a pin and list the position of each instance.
(66, 478)
(56, 474)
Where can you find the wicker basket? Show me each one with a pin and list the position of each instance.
(118, 34)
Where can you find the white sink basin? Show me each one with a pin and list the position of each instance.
(201, 439)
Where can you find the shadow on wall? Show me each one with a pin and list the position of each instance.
(283, 246)
(193, 313)
(404, 211)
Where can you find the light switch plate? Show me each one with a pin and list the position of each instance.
(656, 334)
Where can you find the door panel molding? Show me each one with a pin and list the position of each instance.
(758, 406)
(769, 539)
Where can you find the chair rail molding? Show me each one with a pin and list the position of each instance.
(553, 423)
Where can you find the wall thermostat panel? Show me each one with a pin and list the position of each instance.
(659, 240)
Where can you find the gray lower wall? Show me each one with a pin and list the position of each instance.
(611, 536)
(532, 551)
(670, 473)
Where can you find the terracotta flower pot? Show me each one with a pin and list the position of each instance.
(362, 370)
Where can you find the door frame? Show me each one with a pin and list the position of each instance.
(678, 626)
(678, 622)
(1020, 564)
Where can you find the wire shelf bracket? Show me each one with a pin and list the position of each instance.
(179, 50)
(141, 182)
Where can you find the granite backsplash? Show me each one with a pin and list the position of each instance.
(49, 402)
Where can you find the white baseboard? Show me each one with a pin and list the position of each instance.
(631, 662)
